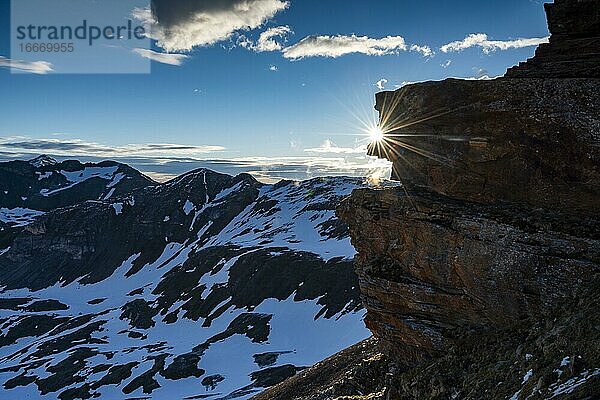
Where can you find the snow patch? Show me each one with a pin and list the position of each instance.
(118, 207)
(109, 194)
(116, 179)
(573, 383)
(42, 161)
(527, 376)
(45, 175)
(76, 177)
(188, 207)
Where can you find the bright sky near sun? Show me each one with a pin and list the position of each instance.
(280, 83)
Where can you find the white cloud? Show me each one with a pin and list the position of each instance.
(185, 24)
(381, 83)
(425, 50)
(328, 147)
(273, 68)
(336, 46)
(481, 40)
(480, 72)
(267, 40)
(481, 78)
(34, 67)
(270, 40)
(446, 64)
(164, 58)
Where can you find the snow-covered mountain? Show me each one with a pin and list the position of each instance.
(207, 286)
(44, 184)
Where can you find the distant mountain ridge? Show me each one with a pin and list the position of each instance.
(44, 183)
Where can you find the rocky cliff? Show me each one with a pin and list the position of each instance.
(433, 268)
(498, 219)
(492, 245)
(574, 46)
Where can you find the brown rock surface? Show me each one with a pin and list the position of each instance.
(530, 141)
(498, 218)
(433, 269)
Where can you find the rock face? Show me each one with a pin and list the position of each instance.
(498, 219)
(527, 141)
(574, 47)
(433, 269)
(532, 141)
(497, 223)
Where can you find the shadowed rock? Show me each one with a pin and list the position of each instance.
(498, 218)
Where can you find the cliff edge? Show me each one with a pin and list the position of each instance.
(481, 274)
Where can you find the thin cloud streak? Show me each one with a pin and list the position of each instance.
(78, 147)
(481, 40)
(337, 46)
(33, 67)
(163, 58)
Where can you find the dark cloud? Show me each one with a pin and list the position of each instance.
(80, 147)
(180, 25)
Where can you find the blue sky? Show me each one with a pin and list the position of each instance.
(255, 105)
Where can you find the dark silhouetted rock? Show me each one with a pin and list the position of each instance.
(574, 47)
(497, 221)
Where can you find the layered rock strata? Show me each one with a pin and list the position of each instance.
(497, 221)
(574, 47)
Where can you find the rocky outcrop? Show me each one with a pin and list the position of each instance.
(574, 47)
(498, 218)
(433, 269)
(527, 141)
(497, 221)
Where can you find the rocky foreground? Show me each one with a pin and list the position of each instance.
(481, 276)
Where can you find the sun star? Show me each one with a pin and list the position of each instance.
(376, 134)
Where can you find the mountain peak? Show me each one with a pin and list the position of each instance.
(42, 161)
